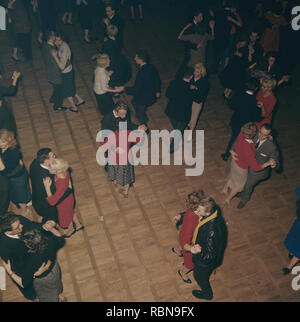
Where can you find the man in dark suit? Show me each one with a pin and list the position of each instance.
(147, 86)
(12, 247)
(39, 169)
(179, 107)
(265, 150)
(245, 109)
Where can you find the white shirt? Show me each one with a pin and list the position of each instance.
(101, 79)
(12, 236)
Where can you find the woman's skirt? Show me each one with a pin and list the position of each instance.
(237, 177)
(49, 287)
(123, 174)
(196, 109)
(19, 189)
(105, 103)
(68, 81)
(292, 241)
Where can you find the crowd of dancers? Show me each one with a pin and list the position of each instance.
(252, 64)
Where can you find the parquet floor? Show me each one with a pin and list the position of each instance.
(126, 256)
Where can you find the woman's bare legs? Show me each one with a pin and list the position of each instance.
(124, 191)
(141, 11)
(79, 100)
(293, 262)
(15, 53)
(77, 222)
(231, 194)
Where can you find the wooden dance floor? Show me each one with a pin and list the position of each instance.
(124, 253)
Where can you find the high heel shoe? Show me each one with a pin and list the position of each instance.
(15, 60)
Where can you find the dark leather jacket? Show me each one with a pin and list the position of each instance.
(212, 237)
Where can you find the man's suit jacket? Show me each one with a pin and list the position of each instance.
(146, 85)
(39, 195)
(264, 152)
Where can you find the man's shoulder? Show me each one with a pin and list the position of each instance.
(269, 144)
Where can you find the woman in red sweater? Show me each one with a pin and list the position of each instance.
(189, 224)
(120, 167)
(266, 101)
(63, 198)
(245, 150)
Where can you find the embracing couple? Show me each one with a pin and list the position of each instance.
(52, 192)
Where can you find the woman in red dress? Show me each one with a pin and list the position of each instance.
(63, 198)
(266, 100)
(190, 222)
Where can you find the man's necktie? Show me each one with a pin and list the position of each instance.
(257, 144)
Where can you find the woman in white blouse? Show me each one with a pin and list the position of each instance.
(101, 88)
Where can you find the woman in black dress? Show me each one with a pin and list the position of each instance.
(11, 165)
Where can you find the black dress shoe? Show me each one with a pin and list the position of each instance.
(286, 270)
(224, 157)
(241, 205)
(199, 295)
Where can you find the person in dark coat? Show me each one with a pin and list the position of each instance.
(210, 241)
(4, 195)
(234, 75)
(7, 120)
(39, 169)
(245, 109)
(147, 86)
(13, 249)
(179, 107)
(112, 18)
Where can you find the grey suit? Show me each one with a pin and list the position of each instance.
(264, 152)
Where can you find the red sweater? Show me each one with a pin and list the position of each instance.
(269, 103)
(246, 154)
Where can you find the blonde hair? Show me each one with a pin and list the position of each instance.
(112, 30)
(202, 69)
(270, 83)
(8, 137)
(59, 166)
(103, 60)
(249, 130)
